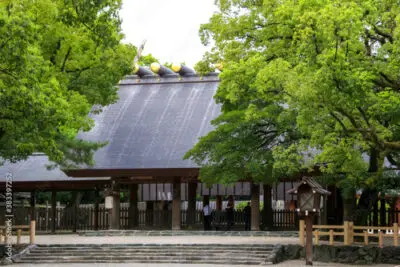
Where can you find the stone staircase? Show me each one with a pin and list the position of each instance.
(151, 253)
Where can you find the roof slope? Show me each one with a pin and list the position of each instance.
(154, 122)
(34, 169)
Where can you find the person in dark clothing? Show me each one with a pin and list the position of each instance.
(247, 216)
(207, 216)
(229, 216)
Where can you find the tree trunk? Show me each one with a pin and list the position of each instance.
(348, 209)
(382, 211)
(369, 196)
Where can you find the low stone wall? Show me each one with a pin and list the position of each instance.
(342, 254)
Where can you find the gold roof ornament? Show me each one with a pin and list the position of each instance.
(155, 67)
(182, 69)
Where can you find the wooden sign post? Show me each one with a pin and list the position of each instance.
(309, 194)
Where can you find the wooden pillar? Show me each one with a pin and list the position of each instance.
(33, 206)
(53, 210)
(96, 209)
(191, 211)
(115, 216)
(301, 232)
(255, 207)
(149, 213)
(133, 208)
(75, 211)
(267, 211)
(176, 205)
(219, 203)
(32, 232)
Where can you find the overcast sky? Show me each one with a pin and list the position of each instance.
(170, 27)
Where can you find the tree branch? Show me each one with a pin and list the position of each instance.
(384, 34)
(364, 116)
(339, 121)
(65, 59)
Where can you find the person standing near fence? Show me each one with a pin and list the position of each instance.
(247, 216)
(207, 216)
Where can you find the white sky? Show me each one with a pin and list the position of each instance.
(170, 27)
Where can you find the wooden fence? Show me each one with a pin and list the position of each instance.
(84, 218)
(19, 230)
(348, 231)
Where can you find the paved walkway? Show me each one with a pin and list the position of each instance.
(77, 239)
(296, 263)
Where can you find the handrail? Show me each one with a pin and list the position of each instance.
(31, 229)
(349, 232)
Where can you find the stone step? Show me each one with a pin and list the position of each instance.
(244, 246)
(150, 253)
(196, 257)
(211, 249)
(167, 261)
(189, 233)
(165, 252)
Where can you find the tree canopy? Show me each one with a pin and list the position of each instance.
(59, 60)
(304, 84)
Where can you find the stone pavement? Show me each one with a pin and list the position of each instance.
(296, 263)
(78, 239)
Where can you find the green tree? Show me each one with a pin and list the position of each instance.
(59, 59)
(325, 72)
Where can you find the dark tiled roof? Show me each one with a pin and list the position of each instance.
(314, 185)
(155, 121)
(35, 169)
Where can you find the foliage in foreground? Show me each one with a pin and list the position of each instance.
(305, 84)
(58, 60)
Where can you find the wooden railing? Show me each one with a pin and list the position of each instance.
(31, 229)
(349, 231)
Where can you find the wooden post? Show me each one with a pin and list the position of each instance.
(366, 241)
(346, 233)
(75, 211)
(133, 208)
(115, 211)
(33, 204)
(96, 209)
(309, 237)
(351, 232)
(395, 234)
(218, 203)
(380, 239)
(255, 207)
(176, 205)
(301, 232)
(191, 210)
(331, 241)
(316, 241)
(53, 211)
(19, 233)
(32, 232)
